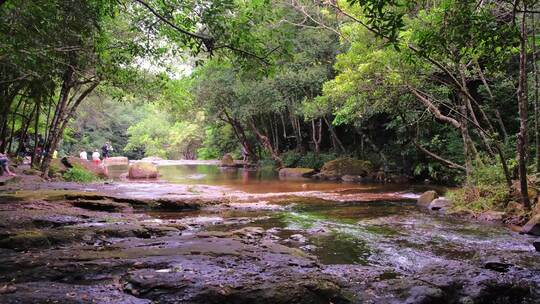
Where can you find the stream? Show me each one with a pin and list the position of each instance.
(264, 239)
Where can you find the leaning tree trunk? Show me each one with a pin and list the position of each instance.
(522, 109)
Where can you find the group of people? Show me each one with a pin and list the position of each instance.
(106, 149)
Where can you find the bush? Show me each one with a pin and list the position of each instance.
(208, 153)
(479, 198)
(293, 159)
(487, 190)
(80, 175)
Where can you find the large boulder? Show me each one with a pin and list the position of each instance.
(426, 198)
(533, 226)
(70, 162)
(337, 168)
(117, 160)
(143, 170)
(227, 161)
(296, 172)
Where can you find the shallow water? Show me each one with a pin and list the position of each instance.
(393, 234)
(255, 181)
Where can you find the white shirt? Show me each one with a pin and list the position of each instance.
(95, 155)
(84, 155)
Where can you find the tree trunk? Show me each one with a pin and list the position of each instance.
(35, 154)
(335, 139)
(265, 142)
(536, 85)
(522, 109)
(317, 135)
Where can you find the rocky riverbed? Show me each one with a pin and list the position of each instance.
(171, 243)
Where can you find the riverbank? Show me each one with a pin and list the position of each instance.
(139, 242)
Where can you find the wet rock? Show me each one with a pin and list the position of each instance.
(117, 160)
(101, 205)
(491, 216)
(497, 266)
(533, 226)
(440, 204)
(296, 172)
(337, 168)
(9, 180)
(68, 294)
(227, 160)
(425, 294)
(142, 170)
(351, 178)
(298, 238)
(426, 198)
(536, 245)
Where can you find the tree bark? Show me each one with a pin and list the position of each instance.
(536, 88)
(522, 109)
(335, 139)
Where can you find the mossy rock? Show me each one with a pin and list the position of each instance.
(227, 161)
(346, 166)
(143, 170)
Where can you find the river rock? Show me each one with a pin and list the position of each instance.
(491, 216)
(440, 203)
(227, 160)
(296, 172)
(345, 166)
(143, 170)
(351, 178)
(426, 198)
(117, 160)
(533, 226)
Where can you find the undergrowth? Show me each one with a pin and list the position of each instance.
(80, 175)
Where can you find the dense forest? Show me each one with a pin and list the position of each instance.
(440, 90)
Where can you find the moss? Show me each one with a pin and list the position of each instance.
(347, 166)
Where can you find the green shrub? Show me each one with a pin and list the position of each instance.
(487, 190)
(208, 153)
(80, 175)
(479, 198)
(293, 159)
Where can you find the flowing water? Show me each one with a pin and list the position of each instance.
(395, 233)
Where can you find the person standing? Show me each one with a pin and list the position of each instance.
(95, 157)
(83, 155)
(105, 150)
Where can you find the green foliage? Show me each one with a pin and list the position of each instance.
(79, 174)
(293, 159)
(487, 190)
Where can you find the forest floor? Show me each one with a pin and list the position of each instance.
(151, 242)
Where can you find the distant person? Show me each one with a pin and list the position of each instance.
(83, 155)
(245, 155)
(95, 157)
(55, 154)
(106, 150)
(4, 162)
